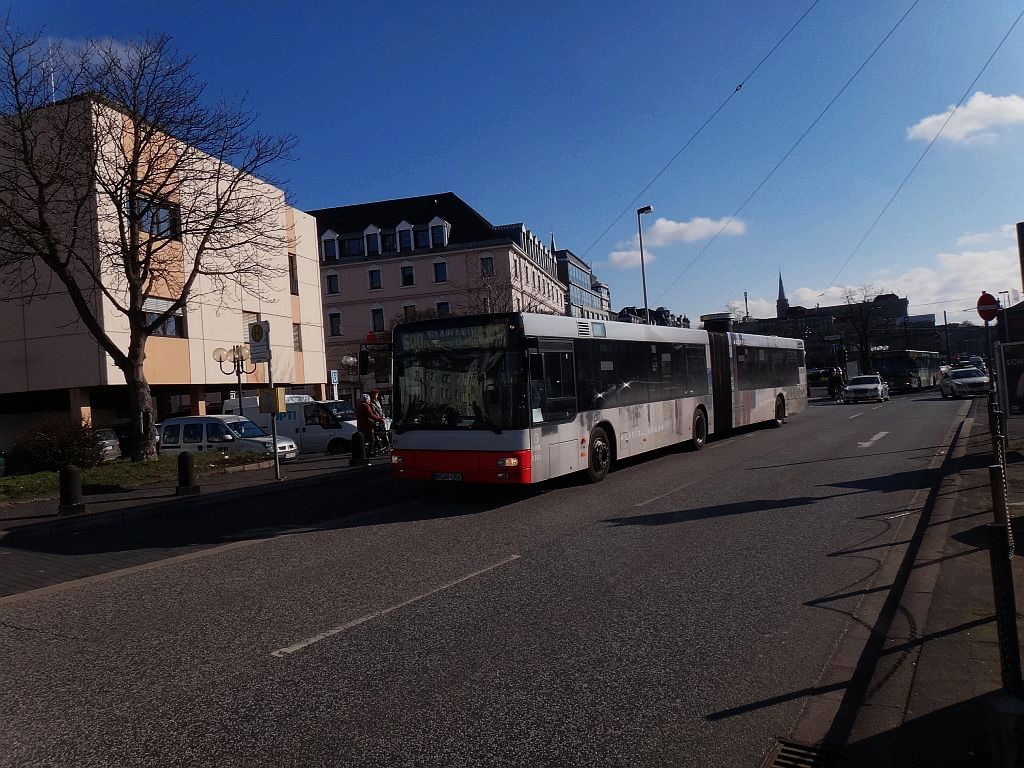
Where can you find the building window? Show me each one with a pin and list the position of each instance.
(158, 218)
(437, 235)
(296, 337)
(330, 249)
(404, 240)
(375, 279)
(515, 268)
(487, 266)
(173, 326)
(409, 312)
(377, 319)
(440, 272)
(248, 318)
(408, 276)
(332, 284)
(422, 238)
(293, 274)
(334, 323)
(373, 243)
(487, 304)
(388, 242)
(354, 246)
(443, 309)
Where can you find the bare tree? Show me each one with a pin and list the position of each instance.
(121, 183)
(484, 294)
(865, 318)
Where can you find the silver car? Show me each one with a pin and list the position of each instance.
(964, 382)
(111, 445)
(866, 388)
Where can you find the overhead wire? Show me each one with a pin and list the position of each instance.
(700, 129)
(832, 101)
(935, 138)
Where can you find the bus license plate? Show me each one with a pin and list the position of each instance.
(456, 476)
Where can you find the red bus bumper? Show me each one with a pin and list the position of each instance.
(462, 466)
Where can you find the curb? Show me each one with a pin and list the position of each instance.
(185, 504)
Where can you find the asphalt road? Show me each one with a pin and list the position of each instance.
(674, 615)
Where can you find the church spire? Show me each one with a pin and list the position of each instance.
(782, 304)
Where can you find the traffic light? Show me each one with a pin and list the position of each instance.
(364, 362)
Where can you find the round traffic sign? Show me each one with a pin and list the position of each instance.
(988, 307)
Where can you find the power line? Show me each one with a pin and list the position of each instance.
(790, 151)
(697, 133)
(925, 152)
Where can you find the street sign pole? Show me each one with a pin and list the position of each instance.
(988, 310)
(259, 347)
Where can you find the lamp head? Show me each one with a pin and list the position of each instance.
(220, 354)
(644, 210)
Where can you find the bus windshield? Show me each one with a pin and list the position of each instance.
(892, 366)
(470, 376)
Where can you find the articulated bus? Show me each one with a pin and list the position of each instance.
(906, 369)
(523, 398)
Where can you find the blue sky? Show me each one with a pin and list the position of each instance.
(557, 114)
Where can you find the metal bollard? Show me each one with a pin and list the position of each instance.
(71, 502)
(1006, 607)
(358, 450)
(187, 485)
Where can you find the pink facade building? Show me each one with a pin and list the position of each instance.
(419, 257)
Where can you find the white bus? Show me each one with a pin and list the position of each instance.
(523, 398)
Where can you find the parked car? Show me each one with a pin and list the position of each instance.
(871, 387)
(110, 442)
(224, 433)
(964, 382)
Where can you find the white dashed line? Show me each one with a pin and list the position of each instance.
(282, 652)
(872, 441)
(857, 414)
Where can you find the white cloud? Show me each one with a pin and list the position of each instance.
(952, 282)
(666, 232)
(1005, 232)
(974, 122)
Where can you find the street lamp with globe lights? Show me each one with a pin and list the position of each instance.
(643, 273)
(237, 356)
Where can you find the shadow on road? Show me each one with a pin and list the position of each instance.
(718, 510)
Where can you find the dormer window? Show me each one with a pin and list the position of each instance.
(373, 243)
(388, 242)
(437, 237)
(330, 248)
(404, 240)
(422, 237)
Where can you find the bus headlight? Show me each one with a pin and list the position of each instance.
(508, 461)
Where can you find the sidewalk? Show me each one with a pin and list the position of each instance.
(930, 695)
(307, 469)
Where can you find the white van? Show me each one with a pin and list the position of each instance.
(316, 427)
(227, 433)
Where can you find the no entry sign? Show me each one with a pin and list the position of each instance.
(988, 307)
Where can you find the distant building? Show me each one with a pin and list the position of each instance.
(586, 296)
(417, 257)
(659, 316)
(836, 332)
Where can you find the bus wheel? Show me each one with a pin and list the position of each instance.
(700, 430)
(780, 412)
(600, 461)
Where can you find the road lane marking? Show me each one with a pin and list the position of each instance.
(873, 440)
(857, 414)
(876, 408)
(282, 652)
(903, 514)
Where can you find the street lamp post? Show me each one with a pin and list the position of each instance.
(238, 356)
(643, 272)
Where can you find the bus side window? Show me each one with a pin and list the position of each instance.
(536, 388)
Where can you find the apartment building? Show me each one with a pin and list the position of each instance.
(586, 296)
(418, 257)
(51, 363)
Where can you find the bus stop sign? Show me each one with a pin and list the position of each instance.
(988, 307)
